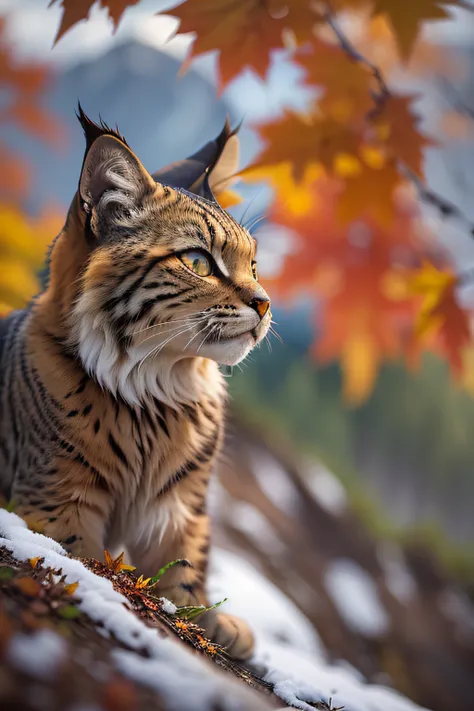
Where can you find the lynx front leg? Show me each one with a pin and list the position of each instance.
(186, 585)
(78, 524)
(78, 529)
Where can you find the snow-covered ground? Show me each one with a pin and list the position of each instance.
(286, 643)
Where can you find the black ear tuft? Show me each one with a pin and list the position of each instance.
(92, 130)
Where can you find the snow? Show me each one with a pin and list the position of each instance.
(398, 578)
(326, 489)
(38, 654)
(252, 523)
(286, 643)
(168, 606)
(252, 597)
(275, 482)
(324, 682)
(167, 660)
(355, 595)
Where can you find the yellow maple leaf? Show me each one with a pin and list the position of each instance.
(142, 582)
(34, 562)
(117, 564)
(23, 245)
(360, 358)
(298, 197)
(71, 588)
(228, 198)
(432, 284)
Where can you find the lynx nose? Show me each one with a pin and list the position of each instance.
(260, 305)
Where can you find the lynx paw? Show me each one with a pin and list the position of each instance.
(232, 633)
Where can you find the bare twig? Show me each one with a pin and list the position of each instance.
(383, 92)
(446, 208)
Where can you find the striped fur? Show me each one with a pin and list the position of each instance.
(111, 397)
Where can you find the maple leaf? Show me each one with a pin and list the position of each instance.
(116, 565)
(346, 83)
(370, 192)
(431, 283)
(440, 312)
(23, 243)
(34, 561)
(28, 586)
(406, 18)
(228, 198)
(142, 582)
(455, 331)
(25, 84)
(298, 198)
(71, 588)
(302, 140)
(245, 32)
(13, 175)
(76, 10)
(359, 326)
(397, 127)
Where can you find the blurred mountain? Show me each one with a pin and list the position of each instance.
(164, 117)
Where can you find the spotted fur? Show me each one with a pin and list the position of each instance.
(111, 396)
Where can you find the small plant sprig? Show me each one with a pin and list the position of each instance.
(149, 583)
(190, 612)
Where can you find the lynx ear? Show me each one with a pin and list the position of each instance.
(113, 175)
(209, 170)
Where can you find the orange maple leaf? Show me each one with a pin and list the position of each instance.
(406, 18)
(346, 83)
(28, 586)
(25, 82)
(116, 565)
(455, 331)
(305, 139)
(245, 32)
(359, 326)
(76, 10)
(370, 192)
(396, 127)
(228, 198)
(14, 178)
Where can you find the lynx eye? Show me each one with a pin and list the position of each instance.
(254, 270)
(197, 262)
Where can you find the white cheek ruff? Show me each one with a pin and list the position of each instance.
(173, 382)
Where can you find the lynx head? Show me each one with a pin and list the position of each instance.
(170, 277)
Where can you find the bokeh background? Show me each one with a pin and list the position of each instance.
(361, 510)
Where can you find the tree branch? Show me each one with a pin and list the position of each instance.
(445, 208)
